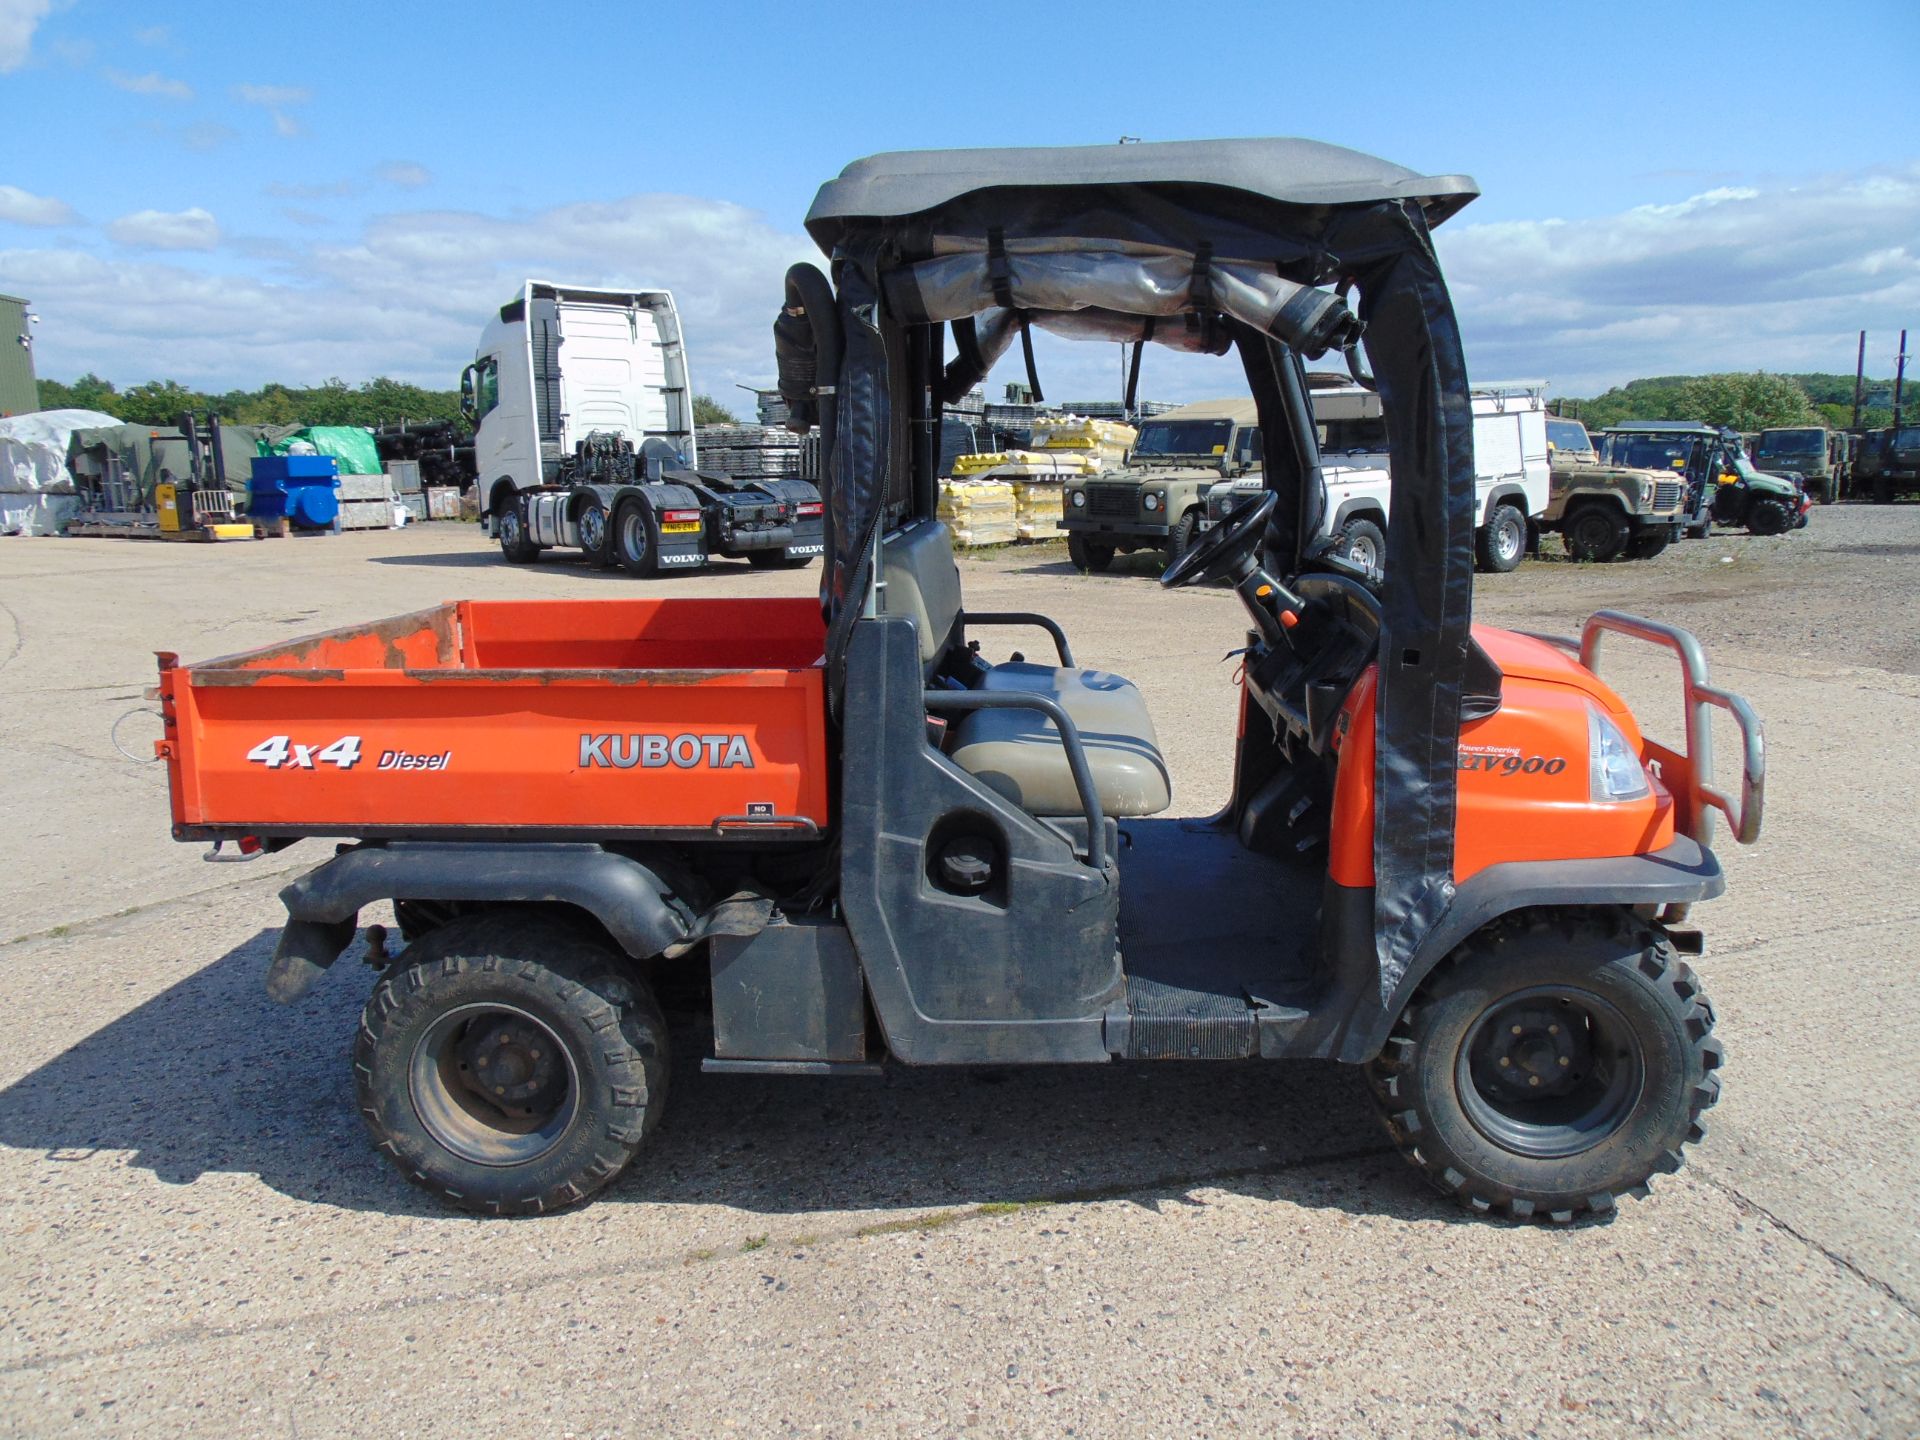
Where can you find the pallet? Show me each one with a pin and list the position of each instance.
(150, 530)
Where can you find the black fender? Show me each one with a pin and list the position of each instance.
(1500, 493)
(1684, 872)
(1360, 507)
(634, 905)
(502, 487)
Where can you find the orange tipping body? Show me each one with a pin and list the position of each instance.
(1524, 785)
(594, 716)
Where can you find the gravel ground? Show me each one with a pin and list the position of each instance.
(196, 1238)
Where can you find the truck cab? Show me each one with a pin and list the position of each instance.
(583, 438)
(1812, 452)
(624, 374)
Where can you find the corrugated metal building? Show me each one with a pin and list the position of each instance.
(19, 392)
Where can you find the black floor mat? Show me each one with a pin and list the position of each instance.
(1200, 913)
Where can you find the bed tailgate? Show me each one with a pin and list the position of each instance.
(395, 729)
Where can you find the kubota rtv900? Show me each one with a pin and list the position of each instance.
(1450, 856)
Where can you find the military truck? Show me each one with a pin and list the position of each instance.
(1819, 456)
(1889, 463)
(1157, 500)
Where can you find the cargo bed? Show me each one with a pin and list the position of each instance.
(588, 719)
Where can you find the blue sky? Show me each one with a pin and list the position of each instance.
(232, 194)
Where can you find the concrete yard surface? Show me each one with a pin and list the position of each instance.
(197, 1238)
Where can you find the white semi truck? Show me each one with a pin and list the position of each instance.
(583, 438)
(1512, 474)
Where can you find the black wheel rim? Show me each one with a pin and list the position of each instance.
(593, 528)
(633, 534)
(1590, 533)
(1549, 1072)
(493, 1084)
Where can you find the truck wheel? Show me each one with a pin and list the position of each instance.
(635, 544)
(1769, 517)
(1551, 1065)
(1648, 543)
(596, 534)
(509, 1065)
(777, 560)
(1596, 533)
(1882, 490)
(1181, 538)
(1363, 543)
(1502, 540)
(510, 524)
(1088, 555)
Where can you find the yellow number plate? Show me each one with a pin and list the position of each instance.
(680, 527)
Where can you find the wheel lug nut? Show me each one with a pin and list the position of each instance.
(1553, 1029)
(1504, 1062)
(1533, 1080)
(1564, 1060)
(1516, 1029)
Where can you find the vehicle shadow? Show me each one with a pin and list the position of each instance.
(209, 1076)
(565, 564)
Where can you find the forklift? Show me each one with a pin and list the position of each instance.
(1451, 856)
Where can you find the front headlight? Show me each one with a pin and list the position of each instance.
(1078, 498)
(1616, 772)
(1151, 502)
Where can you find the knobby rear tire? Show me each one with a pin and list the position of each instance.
(566, 986)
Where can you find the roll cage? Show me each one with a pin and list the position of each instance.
(942, 260)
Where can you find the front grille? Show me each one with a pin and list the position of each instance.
(1112, 500)
(1666, 495)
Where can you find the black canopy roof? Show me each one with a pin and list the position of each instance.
(1291, 171)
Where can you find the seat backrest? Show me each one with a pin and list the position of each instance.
(923, 584)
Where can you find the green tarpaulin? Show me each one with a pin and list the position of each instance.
(348, 444)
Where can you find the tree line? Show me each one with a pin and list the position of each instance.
(372, 402)
(1746, 402)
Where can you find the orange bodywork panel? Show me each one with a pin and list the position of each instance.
(556, 715)
(1523, 783)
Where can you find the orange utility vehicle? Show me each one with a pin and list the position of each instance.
(1450, 855)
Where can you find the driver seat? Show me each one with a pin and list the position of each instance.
(1018, 752)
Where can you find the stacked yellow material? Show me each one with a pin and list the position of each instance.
(1010, 463)
(1037, 508)
(979, 512)
(1104, 442)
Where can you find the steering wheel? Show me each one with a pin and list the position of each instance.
(1223, 550)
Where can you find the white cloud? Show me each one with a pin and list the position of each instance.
(407, 296)
(22, 207)
(18, 20)
(1775, 277)
(154, 35)
(193, 229)
(151, 83)
(406, 174)
(1769, 276)
(276, 100)
(273, 96)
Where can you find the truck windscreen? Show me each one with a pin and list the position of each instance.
(1184, 437)
(1649, 453)
(1793, 442)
